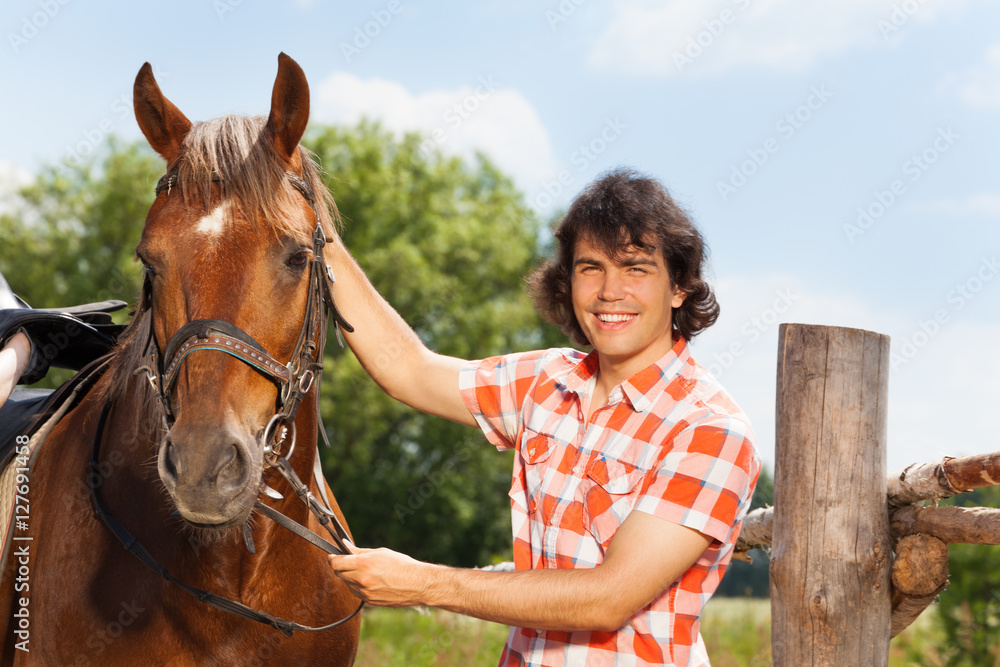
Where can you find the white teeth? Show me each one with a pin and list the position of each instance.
(614, 317)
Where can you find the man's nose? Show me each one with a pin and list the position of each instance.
(612, 287)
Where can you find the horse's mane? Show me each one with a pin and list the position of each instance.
(236, 153)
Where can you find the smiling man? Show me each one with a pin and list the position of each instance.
(634, 468)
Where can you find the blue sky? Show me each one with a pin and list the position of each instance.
(841, 159)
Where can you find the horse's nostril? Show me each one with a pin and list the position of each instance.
(168, 460)
(233, 457)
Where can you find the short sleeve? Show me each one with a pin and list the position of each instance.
(706, 479)
(494, 390)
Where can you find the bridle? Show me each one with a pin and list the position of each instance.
(294, 379)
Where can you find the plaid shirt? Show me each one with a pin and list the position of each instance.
(670, 443)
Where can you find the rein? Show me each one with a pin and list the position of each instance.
(294, 379)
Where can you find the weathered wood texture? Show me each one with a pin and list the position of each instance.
(830, 588)
(919, 573)
(965, 525)
(757, 530)
(916, 483)
(943, 479)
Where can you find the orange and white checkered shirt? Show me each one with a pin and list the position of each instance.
(670, 443)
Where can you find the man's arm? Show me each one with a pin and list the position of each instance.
(390, 351)
(13, 359)
(646, 555)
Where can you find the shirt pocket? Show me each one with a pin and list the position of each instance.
(609, 496)
(536, 452)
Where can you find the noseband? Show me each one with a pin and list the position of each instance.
(294, 379)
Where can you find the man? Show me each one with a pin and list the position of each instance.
(634, 468)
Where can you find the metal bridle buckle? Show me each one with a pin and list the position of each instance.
(272, 452)
(150, 376)
(306, 382)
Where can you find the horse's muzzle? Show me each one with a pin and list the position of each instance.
(212, 474)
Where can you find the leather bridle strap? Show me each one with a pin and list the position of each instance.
(300, 530)
(133, 546)
(224, 337)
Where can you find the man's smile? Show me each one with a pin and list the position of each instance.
(615, 318)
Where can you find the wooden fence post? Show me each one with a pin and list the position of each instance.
(830, 558)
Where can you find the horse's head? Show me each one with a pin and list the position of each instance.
(229, 238)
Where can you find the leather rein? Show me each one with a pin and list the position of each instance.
(294, 379)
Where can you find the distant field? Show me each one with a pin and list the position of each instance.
(737, 632)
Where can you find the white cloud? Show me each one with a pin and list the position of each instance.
(484, 115)
(980, 86)
(649, 37)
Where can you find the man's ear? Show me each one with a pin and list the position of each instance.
(678, 299)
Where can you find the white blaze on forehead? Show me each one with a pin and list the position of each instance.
(214, 223)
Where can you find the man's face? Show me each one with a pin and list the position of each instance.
(624, 306)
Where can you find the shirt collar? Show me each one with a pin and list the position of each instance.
(638, 388)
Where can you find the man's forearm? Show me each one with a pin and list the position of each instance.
(566, 600)
(389, 350)
(645, 557)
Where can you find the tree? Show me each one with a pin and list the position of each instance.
(448, 244)
(71, 238)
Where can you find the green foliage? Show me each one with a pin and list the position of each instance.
(71, 239)
(448, 244)
(737, 633)
(432, 638)
(75, 238)
(969, 610)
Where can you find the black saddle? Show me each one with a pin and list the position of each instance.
(63, 337)
(71, 338)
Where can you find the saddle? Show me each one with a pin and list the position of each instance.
(70, 338)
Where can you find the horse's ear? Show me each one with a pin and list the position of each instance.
(289, 110)
(163, 124)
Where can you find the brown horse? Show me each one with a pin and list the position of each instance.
(181, 440)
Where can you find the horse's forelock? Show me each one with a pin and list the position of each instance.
(237, 151)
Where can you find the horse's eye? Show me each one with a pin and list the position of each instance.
(299, 259)
(150, 271)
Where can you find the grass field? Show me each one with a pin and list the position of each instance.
(737, 632)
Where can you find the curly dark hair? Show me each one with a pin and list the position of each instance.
(623, 210)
